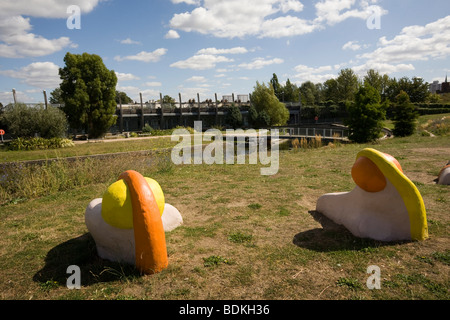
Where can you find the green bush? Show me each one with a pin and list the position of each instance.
(25, 122)
(38, 143)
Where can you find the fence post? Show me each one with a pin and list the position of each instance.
(161, 125)
(45, 100)
(120, 115)
(198, 105)
(142, 111)
(181, 109)
(217, 109)
(14, 96)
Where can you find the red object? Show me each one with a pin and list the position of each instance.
(2, 132)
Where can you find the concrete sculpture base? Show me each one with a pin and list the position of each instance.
(384, 205)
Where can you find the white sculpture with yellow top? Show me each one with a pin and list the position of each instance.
(384, 205)
(129, 223)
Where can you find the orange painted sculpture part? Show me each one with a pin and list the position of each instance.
(150, 240)
(367, 176)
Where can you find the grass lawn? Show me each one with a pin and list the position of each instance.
(245, 236)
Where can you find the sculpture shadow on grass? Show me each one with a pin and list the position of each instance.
(334, 237)
(81, 251)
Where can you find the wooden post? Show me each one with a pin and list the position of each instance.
(142, 111)
(45, 100)
(181, 110)
(120, 115)
(198, 104)
(161, 125)
(14, 96)
(299, 107)
(217, 110)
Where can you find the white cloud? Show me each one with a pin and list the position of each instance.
(44, 8)
(351, 45)
(126, 76)
(235, 50)
(332, 12)
(153, 84)
(43, 75)
(414, 43)
(186, 1)
(196, 79)
(200, 62)
(315, 75)
(172, 34)
(129, 41)
(268, 18)
(17, 42)
(259, 63)
(144, 56)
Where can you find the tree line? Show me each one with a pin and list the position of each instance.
(345, 86)
(89, 99)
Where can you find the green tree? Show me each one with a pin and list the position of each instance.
(365, 115)
(330, 90)
(378, 81)
(308, 93)
(347, 85)
(290, 91)
(88, 90)
(277, 88)
(168, 100)
(404, 116)
(234, 116)
(122, 97)
(55, 97)
(264, 99)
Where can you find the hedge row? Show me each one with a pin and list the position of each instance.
(38, 143)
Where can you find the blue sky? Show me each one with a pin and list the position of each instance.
(223, 47)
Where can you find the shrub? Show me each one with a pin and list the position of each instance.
(38, 143)
(25, 122)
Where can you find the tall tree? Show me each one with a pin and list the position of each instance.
(88, 89)
(55, 97)
(308, 93)
(277, 88)
(347, 84)
(124, 98)
(404, 116)
(291, 93)
(330, 90)
(265, 102)
(365, 115)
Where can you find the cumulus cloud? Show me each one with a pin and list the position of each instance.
(315, 75)
(44, 8)
(43, 75)
(129, 41)
(235, 50)
(268, 18)
(144, 56)
(259, 63)
(126, 76)
(413, 43)
(332, 12)
(172, 34)
(200, 62)
(17, 42)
